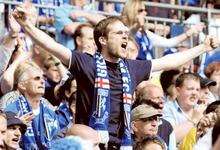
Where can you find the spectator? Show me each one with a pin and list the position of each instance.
(213, 72)
(3, 128)
(153, 95)
(150, 143)
(182, 113)
(44, 123)
(86, 133)
(133, 16)
(132, 48)
(53, 77)
(167, 81)
(15, 128)
(83, 39)
(69, 16)
(206, 97)
(145, 121)
(18, 56)
(107, 59)
(205, 141)
(67, 93)
(200, 133)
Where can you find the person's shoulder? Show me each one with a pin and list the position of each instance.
(80, 55)
(8, 99)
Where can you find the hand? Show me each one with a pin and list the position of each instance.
(20, 14)
(195, 29)
(77, 13)
(140, 20)
(206, 122)
(211, 43)
(22, 55)
(13, 25)
(198, 113)
(27, 118)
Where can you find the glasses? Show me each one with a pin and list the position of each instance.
(149, 119)
(121, 32)
(142, 10)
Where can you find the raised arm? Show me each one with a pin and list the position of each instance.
(41, 38)
(172, 42)
(178, 59)
(92, 17)
(7, 80)
(8, 44)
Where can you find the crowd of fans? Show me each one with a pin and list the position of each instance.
(95, 82)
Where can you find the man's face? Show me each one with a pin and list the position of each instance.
(3, 128)
(189, 92)
(13, 135)
(53, 74)
(86, 42)
(117, 40)
(156, 95)
(34, 85)
(204, 95)
(146, 126)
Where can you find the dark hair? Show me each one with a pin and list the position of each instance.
(66, 87)
(78, 32)
(212, 107)
(182, 77)
(166, 79)
(140, 145)
(101, 29)
(215, 132)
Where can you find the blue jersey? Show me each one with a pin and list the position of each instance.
(45, 126)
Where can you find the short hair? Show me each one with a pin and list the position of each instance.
(78, 32)
(215, 66)
(166, 79)
(23, 68)
(101, 29)
(184, 76)
(140, 145)
(142, 96)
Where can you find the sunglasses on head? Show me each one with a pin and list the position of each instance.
(142, 10)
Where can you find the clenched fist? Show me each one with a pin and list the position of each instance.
(211, 43)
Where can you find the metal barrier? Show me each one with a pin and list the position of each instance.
(155, 20)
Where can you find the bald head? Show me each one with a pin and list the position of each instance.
(148, 92)
(85, 132)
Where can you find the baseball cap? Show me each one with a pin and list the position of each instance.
(206, 82)
(144, 111)
(12, 119)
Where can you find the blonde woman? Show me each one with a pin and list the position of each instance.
(133, 16)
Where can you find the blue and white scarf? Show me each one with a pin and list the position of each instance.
(36, 138)
(101, 108)
(146, 51)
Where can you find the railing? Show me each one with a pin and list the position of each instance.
(155, 20)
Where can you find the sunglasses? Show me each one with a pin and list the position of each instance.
(142, 10)
(149, 119)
